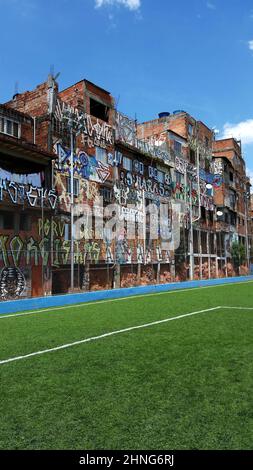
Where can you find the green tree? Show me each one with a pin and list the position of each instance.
(238, 253)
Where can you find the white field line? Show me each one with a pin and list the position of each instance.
(106, 335)
(121, 299)
(237, 308)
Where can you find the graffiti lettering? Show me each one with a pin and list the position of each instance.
(92, 251)
(84, 165)
(93, 133)
(35, 196)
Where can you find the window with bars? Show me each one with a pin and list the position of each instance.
(9, 127)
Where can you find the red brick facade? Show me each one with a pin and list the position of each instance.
(168, 161)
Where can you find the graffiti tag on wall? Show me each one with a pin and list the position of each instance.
(35, 196)
(93, 132)
(125, 129)
(84, 165)
(151, 187)
(126, 132)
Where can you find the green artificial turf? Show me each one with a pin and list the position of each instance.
(185, 384)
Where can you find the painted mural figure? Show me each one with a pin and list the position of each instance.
(12, 283)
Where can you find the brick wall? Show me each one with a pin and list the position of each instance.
(33, 102)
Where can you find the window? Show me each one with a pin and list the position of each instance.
(127, 163)
(190, 129)
(25, 222)
(231, 176)
(177, 147)
(160, 176)
(138, 167)
(207, 142)
(7, 220)
(101, 155)
(99, 110)
(106, 194)
(7, 126)
(232, 198)
(67, 232)
(203, 213)
(76, 186)
(233, 219)
(15, 129)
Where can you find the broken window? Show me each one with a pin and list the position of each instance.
(99, 110)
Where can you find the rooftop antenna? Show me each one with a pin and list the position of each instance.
(57, 76)
(52, 77)
(52, 70)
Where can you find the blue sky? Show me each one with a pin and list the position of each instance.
(152, 55)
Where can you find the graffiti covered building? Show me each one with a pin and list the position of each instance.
(232, 200)
(193, 182)
(88, 161)
(217, 189)
(27, 197)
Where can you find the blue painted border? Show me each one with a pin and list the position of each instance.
(13, 306)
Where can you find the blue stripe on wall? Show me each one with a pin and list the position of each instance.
(14, 306)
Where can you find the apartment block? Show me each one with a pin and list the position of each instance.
(71, 163)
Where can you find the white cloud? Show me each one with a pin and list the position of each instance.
(130, 4)
(250, 44)
(242, 131)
